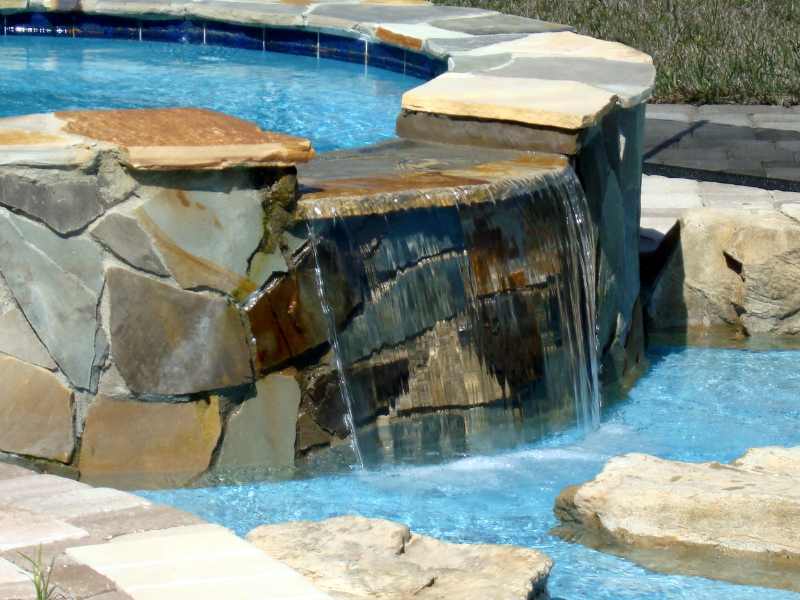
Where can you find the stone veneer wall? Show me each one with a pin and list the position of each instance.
(206, 376)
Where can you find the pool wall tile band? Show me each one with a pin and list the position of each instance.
(218, 33)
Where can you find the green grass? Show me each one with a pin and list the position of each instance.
(705, 51)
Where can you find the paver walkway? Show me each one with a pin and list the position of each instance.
(755, 146)
(111, 545)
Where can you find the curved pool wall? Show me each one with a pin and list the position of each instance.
(109, 403)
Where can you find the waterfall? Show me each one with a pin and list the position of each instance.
(474, 319)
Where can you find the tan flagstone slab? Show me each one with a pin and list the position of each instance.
(413, 36)
(35, 148)
(250, 13)
(186, 138)
(632, 82)
(567, 44)
(195, 563)
(20, 528)
(35, 140)
(562, 104)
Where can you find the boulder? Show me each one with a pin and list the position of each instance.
(732, 269)
(352, 557)
(749, 509)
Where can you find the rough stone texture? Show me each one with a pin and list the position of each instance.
(18, 339)
(36, 412)
(186, 138)
(567, 105)
(381, 13)
(60, 305)
(353, 557)
(487, 133)
(168, 341)
(139, 445)
(182, 223)
(609, 167)
(261, 432)
(287, 318)
(444, 46)
(498, 24)
(568, 44)
(125, 238)
(632, 82)
(65, 204)
(746, 509)
(730, 269)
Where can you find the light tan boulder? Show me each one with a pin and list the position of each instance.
(734, 269)
(352, 557)
(750, 508)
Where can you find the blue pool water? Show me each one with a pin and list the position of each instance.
(694, 404)
(334, 104)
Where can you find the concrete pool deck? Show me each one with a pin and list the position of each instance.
(112, 545)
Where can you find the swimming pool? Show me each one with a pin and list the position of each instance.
(334, 104)
(694, 404)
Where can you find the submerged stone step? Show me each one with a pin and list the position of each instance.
(695, 516)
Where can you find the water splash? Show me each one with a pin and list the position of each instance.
(474, 326)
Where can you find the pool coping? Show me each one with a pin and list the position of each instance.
(506, 70)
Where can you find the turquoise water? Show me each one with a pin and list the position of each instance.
(334, 104)
(694, 404)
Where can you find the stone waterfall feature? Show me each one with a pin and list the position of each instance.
(163, 299)
(471, 321)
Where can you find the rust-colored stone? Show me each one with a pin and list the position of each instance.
(166, 127)
(271, 345)
(392, 37)
(29, 137)
(145, 445)
(187, 138)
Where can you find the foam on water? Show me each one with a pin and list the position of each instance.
(693, 405)
(334, 104)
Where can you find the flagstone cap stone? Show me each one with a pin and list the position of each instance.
(562, 104)
(406, 174)
(151, 139)
(471, 40)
